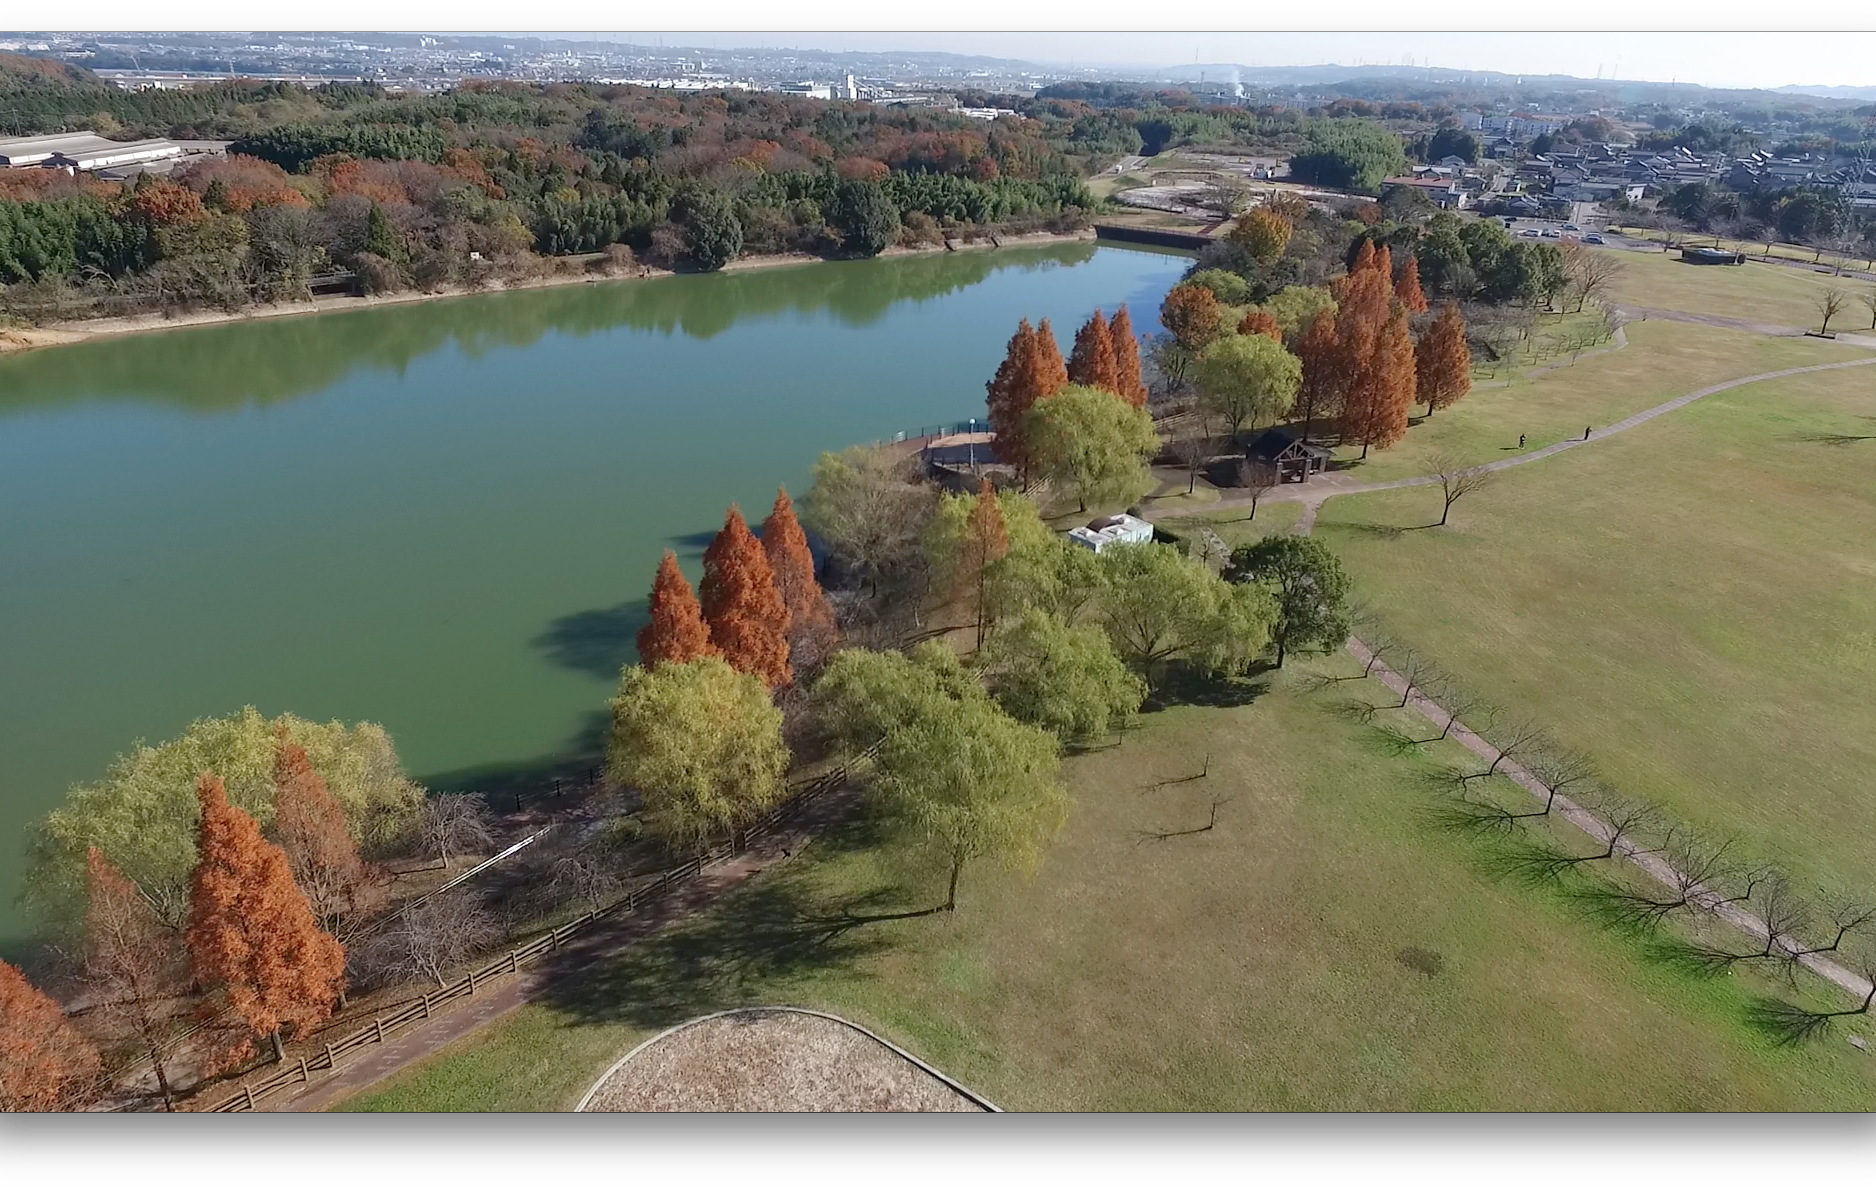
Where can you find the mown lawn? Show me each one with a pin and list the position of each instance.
(1693, 602)
(1663, 361)
(1254, 966)
(1756, 290)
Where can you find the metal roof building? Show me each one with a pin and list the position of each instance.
(82, 151)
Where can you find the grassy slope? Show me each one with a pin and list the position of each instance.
(1251, 967)
(1692, 601)
(1663, 361)
(1756, 290)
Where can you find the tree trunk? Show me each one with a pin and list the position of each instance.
(280, 1051)
(1445, 511)
(162, 1079)
(951, 894)
(1282, 645)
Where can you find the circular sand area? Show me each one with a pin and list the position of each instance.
(773, 1060)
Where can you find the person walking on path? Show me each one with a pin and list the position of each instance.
(1586, 434)
(1520, 442)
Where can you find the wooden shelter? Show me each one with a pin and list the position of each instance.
(1288, 458)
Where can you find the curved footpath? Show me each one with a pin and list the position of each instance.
(1597, 828)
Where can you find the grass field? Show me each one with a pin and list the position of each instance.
(1663, 361)
(1255, 966)
(1756, 291)
(1693, 602)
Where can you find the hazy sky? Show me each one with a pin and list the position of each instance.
(1713, 59)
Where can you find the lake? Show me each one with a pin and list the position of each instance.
(444, 516)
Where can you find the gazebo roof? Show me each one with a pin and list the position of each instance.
(1273, 444)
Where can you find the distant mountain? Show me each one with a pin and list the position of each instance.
(1823, 92)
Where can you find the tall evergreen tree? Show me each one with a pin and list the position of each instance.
(1126, 357)
(676, 631)
(748, 618)
(812, 633)
(1443, 361)
(251, 931)
(43, 1059)
(1092, 362)
(310, 826)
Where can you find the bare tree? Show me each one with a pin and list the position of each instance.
(1868, 298)
(1456, 480)
(1829, 305)
(1414, 668)
(1511, 740)
(585, 877)
(135, 967)
(428, 940)
(1224, 196)
(1564, 773)
(454, 824)
(1693, 867)
(1195, 451)
(1589, 273)
(1256, 479)
(1458, 700)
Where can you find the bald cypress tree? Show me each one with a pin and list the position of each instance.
(1443, 361)
(812, 633)
(310, 826)
(1408, 290)
(43, 1059)
(1092, 361)
(1126, 357)
(748, 618)
(251, 931)
(676, 631)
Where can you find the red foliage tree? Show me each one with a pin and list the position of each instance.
(1051, 369)
(1443, 361)
(812, 633)
(1190, 315)
(1032, 369)
(310, 826)
(1325, 379)
(1384, 264)
(44, 1061)
(1408, 290)
(162, 203)
(1126, 357)
(251, 932)
(1261, 322)
(1092, 362)
(1379, 401)
(676, 631)
(1364, 258)
(748, 619)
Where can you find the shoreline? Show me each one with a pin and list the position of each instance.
(52, 335)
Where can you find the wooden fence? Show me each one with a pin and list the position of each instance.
(300, 1070)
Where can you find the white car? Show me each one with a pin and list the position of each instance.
(1529, 233)
(1571, 228)
(1552, 234)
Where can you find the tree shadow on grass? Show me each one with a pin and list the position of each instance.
(599, 641)
(738, 951)
(1197, 688)
(1376, 530)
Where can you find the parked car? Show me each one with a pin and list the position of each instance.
(1593, 238)
(1531, 233)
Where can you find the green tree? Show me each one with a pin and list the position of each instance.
(1295, 307)
(1248, 378)
(1064, 678)
(1158, 605)
(958, 564)
(382, 240)
(713, 236)
(1453, 142)
(968, 781)
(1057, 576)
(864, 694)
(701, 742)
(1348, 155)
(143, 813)
(867, 219)
(1095, 444)
(1310, 587)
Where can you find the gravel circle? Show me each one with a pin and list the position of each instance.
(770, 1061)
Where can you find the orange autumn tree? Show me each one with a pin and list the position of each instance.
(1127, 375)
(1264, 232)
(1408, 290)
(676, 631)
(1261, 322)
(1443, 361)
(1364, 258)
(310, 826)
(812, 633)
(1190, 314)
(251, 931)
(1032, 369)
(1324, 378)
(1379, 401)
(1092, 360)
(986, 540)
(748, 618)
(44, 1061)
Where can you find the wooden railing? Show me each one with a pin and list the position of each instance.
(301, 1069)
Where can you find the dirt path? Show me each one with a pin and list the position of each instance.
(577, 957)
(1313, 493)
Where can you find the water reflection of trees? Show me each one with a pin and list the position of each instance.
(269, 360)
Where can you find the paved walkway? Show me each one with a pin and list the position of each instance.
(577, 956)
(1313, 493)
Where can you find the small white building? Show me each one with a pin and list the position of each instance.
(1104, 532)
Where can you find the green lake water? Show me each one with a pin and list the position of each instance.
(444, 516)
